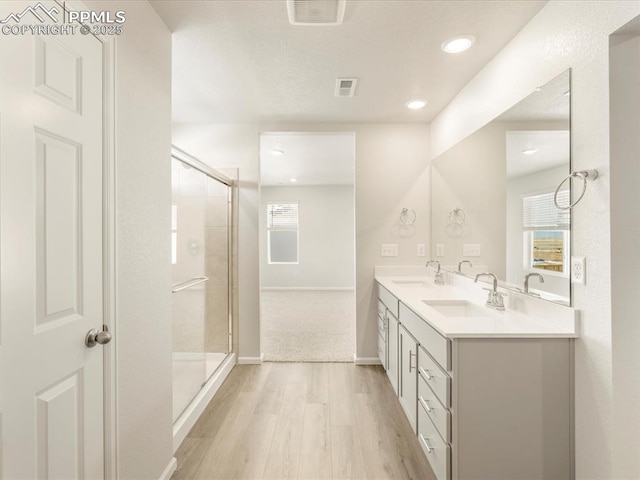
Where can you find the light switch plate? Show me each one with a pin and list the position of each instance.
(440, 250)
(389, 250)
(421, 250)
(579, 270)
(471, 250)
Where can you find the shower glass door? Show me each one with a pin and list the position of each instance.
(200, 268)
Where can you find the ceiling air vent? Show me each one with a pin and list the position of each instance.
(346, 87)
(315, 12)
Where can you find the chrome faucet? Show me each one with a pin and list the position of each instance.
(460, 265)
(528, 276)
(495, 298)
(439, 278)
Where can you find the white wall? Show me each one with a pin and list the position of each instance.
(517, 187)
(143, 245)
(326, 238)
(625, 238)
(563, 35)
(391, 173)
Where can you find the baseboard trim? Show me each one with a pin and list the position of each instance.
(324, 289)
(251, 360)
(170, 470)
(367, 360)
(189, 417)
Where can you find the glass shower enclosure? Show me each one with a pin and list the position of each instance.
(201, 240)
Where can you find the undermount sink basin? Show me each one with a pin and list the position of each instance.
(458, 308)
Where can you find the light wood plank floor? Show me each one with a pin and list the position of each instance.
(303, 421)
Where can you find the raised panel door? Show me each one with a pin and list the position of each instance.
(51, 212)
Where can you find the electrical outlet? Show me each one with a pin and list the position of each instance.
(389, 250)
(579, 270)
(440, 250)
(471, 250)
(421, 250)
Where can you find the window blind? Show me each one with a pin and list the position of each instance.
(282, 216)
(539, 212)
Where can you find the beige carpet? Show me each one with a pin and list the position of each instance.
(308, 325)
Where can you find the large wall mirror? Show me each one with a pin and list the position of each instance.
(493, 196)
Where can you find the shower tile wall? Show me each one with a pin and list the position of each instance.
(234, 268)
(233, 174)
(188, 197)
(217, 268)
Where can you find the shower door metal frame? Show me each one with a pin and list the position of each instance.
(202, 167)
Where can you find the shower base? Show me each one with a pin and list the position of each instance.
(189, 374)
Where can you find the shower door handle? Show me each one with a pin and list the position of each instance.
(188, 284)
(95, 336)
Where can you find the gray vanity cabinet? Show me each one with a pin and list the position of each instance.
(498, 408)
(408, 367)
(388, 310)
(392, 350)
(383, 354)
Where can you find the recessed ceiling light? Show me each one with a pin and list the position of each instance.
(276, 153)
(458, 44)
(293, 180)
(416, 104)
(529, 151)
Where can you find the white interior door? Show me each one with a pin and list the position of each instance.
(51, 286)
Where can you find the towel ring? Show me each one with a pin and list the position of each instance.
(457, 216)
(408, 216)
(584, 175)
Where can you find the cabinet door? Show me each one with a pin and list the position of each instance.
(408, 375)
(392, 351)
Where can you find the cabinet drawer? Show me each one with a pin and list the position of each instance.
(434, 377)
(437, 452)
(382, 351)
(439, 415)
(438, 346)
(388, 299)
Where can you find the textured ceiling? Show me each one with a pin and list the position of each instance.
(550, 102)
(240, 61)
(549, 105)
(551, 150)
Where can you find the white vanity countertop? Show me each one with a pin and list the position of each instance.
(524, 317)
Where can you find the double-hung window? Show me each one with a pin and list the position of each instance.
(282, 233)
(546, 232)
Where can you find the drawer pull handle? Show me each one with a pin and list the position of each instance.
(425, 404)
(426, 444)
(411, 355)
(426, 374)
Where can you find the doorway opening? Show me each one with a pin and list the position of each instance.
(307, 247)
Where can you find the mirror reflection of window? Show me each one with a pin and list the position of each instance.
(547, 250)
(282, 233)
(546, 232)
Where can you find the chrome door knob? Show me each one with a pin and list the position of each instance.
(95, 336)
